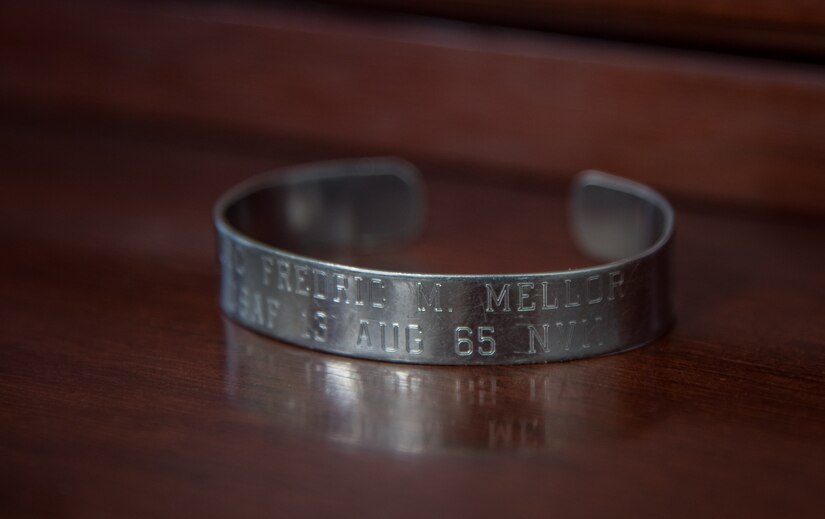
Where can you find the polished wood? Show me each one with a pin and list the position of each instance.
(732, 129)
(124, 393)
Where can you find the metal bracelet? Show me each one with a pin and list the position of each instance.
(270, 227)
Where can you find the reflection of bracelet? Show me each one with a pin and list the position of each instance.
(408, 409)
(428, 318)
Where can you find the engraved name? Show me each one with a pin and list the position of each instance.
(531, 296)
(322, 284)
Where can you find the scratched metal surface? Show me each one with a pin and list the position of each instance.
(274, 282)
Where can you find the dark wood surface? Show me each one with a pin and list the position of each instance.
(123, 392)
(741, 130)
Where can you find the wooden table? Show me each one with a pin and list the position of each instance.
(124, 393)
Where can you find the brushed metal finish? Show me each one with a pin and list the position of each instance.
(271, 227)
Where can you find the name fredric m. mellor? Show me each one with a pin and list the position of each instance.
(530, 296)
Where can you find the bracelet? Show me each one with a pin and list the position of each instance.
(270, 227)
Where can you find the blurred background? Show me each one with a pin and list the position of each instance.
(706, 100)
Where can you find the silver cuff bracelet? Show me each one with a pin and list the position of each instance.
(269, 226)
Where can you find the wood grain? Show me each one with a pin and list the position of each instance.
(733, 130)
(123, 393)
